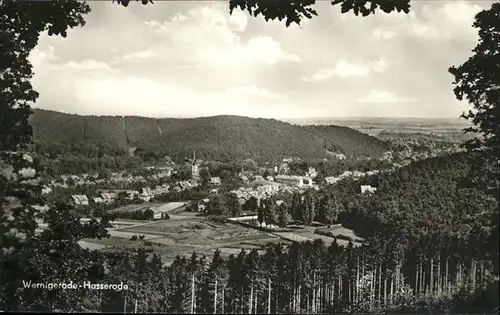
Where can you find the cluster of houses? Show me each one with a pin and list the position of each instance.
(145, 194)
(294, 180)
(117, 177)
(262, 189)
(349, 174)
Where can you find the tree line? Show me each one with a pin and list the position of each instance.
(310, 277)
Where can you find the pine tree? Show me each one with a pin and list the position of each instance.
(233, 205)
(283, 216)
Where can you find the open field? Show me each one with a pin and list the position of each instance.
(128, 235)
(303, 236)
(132, 208)
(301, 233)
(448, 128)
(186, 233)
(341, 231)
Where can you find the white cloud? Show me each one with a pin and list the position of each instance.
(252, 91)
(267, 50)
(379, 65)
(380, 33)
(380, 96)
(452, 20)
(38, 56)
(90, 65)
(209, 35)
(131, 92)
(342, 69)
(179, 17)
(345, 69)
(140, 55)
(238, 20)
(194, 59)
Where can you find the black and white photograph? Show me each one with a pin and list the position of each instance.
(250, 156)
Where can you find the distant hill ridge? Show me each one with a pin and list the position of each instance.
(222, 137)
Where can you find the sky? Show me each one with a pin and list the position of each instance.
(192, 58)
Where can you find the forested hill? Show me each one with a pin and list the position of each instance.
(217, 137)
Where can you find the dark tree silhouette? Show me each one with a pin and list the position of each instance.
(296, 11)
(478, 81)
(22, 251)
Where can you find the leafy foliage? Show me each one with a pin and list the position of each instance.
(478, 81)
(24, 253)
(298, 10)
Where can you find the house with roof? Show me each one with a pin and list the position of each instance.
(368, 189)
(293, 180)
(132, 194)
(331, 179)
(108, 197)
(146, 194)
(216, 181)
(244, 178)
(80, 200)
(98, 200)
(183, 185)
(311, 172)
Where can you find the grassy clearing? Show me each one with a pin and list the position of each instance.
(132, 208)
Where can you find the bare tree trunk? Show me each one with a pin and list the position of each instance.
(373, 287)
(385, 287)
(251, 300)
(446, 276)
(242, 304)
(439, 280)
(299, 298)
(313, 304)
(135, 306)
(332, 292)
(256, 304)
(349, 290)
(356, 287)
(269, 296)
(460, 280)
(321, 296)
(215, 297)
(125, 305)
(223, 306)
(392, 290)
(398, 272)
(432, 276)
(379, 283)
(422, 277)
(416, 280)
(481, 272)
(341, 292)
(473, 275)
(294, 295)
(192, 293)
